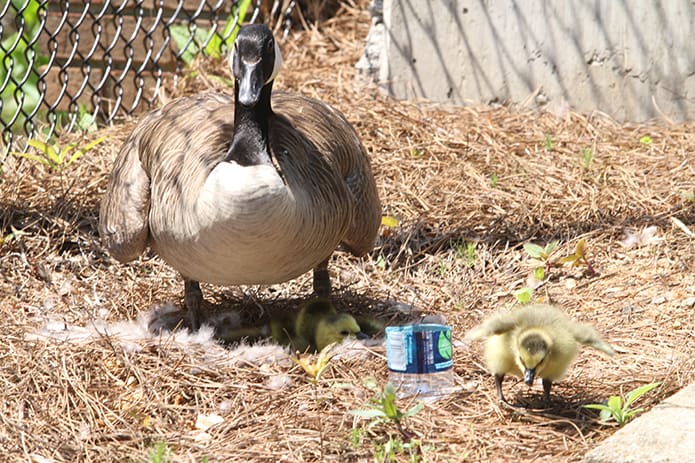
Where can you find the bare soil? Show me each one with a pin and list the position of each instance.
(493, 177)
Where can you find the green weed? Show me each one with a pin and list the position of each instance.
(54, 156)
(158, 453)
(19, 67)
(548, 144)
(211, 42)
(383, 409)
(619, 408)
(587, 158)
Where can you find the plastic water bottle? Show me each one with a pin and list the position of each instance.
(420, 360)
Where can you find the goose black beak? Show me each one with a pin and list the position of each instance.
(362, 336)
(251, 83)
(529, 376)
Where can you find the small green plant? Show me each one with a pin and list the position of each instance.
(578, 257)
(356, 437)
(383, 409)
(381, 263)
(416, 153)
(393, 447)
(620, 408)
(494, 180)
(442, 268)
(542, 254)
(548, 143)
(645, 140)
(83, 120)
(466, 251)
(212, 42)
(587, 158)
(56, 157)
(20, 62)
(158, 453)
(316, 368)
(524, 295)
(687, 195)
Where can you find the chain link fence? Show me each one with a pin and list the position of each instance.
(68, 64)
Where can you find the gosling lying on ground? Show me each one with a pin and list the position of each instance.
(534, 340)
(317, 325)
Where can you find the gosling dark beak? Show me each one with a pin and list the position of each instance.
(529, 376)
(251, 83)
(362, 336)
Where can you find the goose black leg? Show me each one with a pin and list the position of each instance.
(322, 282)
(193, 300)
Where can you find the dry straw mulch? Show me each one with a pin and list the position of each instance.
(487, 176)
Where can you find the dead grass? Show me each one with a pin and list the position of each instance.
(451, 176)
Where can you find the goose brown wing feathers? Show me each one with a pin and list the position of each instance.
(338, 142)
(147, 167)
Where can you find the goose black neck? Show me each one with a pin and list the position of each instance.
(250, 141)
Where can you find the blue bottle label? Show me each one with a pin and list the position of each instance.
(419, 348)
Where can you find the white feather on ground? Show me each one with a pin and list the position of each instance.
(146, 330)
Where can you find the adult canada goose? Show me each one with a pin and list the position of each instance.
(536, 340)
(315, 326)
(245, 190)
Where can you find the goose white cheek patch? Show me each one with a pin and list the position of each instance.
(231, 59)
(277, 65)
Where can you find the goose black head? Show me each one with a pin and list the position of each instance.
(255, 61)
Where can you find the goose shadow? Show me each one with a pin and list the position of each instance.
(251, 310)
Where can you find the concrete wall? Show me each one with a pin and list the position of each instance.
(632, 59)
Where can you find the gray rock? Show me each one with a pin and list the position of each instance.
(666, 434)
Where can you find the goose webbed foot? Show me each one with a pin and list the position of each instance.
(193, 300)
(322, 282)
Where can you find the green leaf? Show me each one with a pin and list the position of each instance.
(615, 402)
(86, 148)
(34, 157)
(596, 406)
(633, 412)
(539, 273)
(533, 250)
(390, 408)
(371, 413)
(646, 140)
(415, 409)
(181, 36)
(46, 149)
(370, 382)
(639, 392)
(232, 27)
(550, 247)
(605, 415)
(524, 295)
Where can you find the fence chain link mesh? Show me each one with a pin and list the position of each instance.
(66, 64)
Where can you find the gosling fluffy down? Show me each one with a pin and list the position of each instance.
(536, 340)
(317, 325)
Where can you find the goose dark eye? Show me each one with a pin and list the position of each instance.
(344, 333)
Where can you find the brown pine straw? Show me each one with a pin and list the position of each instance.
(97, 401)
